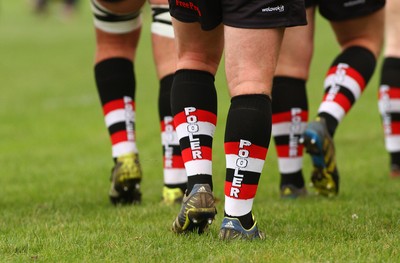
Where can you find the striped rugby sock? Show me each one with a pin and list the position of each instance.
(344, 83)
(247, 137)
(116, 85)
(194, 107)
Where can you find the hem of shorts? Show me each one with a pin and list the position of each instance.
(342, 19)
(282, 25)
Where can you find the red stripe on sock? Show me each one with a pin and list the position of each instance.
(247, 191)
(255, 151)
(116, 105)
(202, 115)
(395, 127)
(340, 99)
(206, 154)
(354, 74)
(393, 92)
(175, 162)
(284, 151)
(118, 137)
(163, 124)
(287, 117)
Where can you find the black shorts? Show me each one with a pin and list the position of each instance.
(240, 13)
(339, 10)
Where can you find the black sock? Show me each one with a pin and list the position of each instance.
(195, 89)
(290, 112)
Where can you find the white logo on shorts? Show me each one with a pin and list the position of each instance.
(279, 8)
(353, 3)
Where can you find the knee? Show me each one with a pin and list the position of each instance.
(117, 16)
(374, 44)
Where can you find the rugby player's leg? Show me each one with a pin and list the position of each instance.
(361, 41)
(117, 27)
(248, 128)
(194, 108)
(389, 88)
(165, 58)
(290, 113)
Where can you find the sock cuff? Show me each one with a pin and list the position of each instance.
(289, 81)
(115, 78)
(390, 72)
(166, 82)
(194, 75)
(392, 61)
(114, 65)
(250, 101)
(359, 58)
(288, 92)
(164, 97)
(249, 117)
(193, 88)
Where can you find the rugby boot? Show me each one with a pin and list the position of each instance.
(395, 171)
(319, 144)
(290, 191)
(232, 229)
(197, 212)
(171, 196)
(125, 180)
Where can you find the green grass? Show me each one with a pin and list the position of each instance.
(55, 161)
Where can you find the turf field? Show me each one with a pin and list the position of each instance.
(55, 165)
